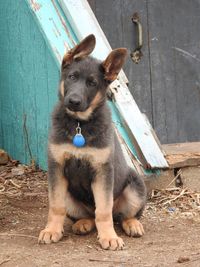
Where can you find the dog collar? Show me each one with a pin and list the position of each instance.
(78, 139)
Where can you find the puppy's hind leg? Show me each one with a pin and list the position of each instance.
(130, 205)
(83, 226)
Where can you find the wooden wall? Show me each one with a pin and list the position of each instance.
(28, 84)
(166, 83)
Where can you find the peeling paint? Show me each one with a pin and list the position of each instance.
(57, 54)
(35, 6)
(66, 46)
(55, 27)
(63, 23)
(55, 32)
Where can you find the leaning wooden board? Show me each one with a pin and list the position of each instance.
(84, 22)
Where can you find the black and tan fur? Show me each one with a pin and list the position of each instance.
(93, 184)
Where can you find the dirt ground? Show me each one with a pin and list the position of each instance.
(171, 221)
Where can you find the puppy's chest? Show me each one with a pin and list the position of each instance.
(65, 151)
(80, 174)
(80, 167)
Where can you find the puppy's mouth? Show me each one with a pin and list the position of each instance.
(71, 109)
(82, 115)
(75, 109)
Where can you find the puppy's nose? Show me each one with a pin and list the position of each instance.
(74, 102)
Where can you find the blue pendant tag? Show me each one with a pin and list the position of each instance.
(78, 140)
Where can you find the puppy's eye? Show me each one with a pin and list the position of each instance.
(92, 83)
(72, 77)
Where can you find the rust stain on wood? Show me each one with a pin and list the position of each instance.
(35, 6)
(66, 46)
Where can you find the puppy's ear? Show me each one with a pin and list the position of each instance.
(83, 49)
(113, 63)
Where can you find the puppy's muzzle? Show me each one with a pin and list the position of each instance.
(74, 103)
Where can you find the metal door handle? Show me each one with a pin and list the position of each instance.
(137, 53)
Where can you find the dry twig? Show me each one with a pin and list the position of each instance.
(13, 183)
(18, 235)
(174, 179)
(173, 199)
(4, 261)
(109, 261)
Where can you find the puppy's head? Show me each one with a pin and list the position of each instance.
(84, 79)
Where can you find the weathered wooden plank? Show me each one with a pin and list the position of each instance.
(124, 101)
(174, 49)
(154, 134)
(182, 154)
(54, 26)
(183, 160)
(133, 162)
(139, 130)
(92, 4)
(127, 146)
(181, 148)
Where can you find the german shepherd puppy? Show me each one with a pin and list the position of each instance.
(89, 179)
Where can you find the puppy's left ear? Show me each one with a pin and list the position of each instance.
(113, 63)
(80, 51)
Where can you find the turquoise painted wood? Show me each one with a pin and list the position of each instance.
(116, 118)
(55, 27)
(29, 78)
(36, 35)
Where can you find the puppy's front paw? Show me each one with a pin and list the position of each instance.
(50, 235)
(111, 242)
(132, 227)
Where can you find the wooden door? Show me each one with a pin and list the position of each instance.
(166, 82)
